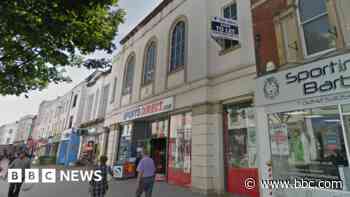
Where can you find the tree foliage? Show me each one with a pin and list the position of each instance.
(40, 37)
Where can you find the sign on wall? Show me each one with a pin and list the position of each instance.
(320, 78)
(223, 28)
(149, 109)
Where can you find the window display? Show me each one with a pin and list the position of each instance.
(125, 144)
(241, 136)
(180, 142)
(308, 143)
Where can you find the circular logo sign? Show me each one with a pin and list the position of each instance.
(271, 88)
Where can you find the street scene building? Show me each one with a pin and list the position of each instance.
(220, 93)
(302, 97)
(187, 97)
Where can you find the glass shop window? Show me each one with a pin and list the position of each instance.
(241, 136)
(124, 152)
(180, 142)
(308, 143)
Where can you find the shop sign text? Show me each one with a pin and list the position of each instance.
(149, 109)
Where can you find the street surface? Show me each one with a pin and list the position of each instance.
(124, 188)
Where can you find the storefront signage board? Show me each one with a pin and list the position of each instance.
(149, 109)
(223, 28)
(321, 78)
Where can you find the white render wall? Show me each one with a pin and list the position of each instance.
(5, 133)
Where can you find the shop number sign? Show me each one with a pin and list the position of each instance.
(279, 140)
(163, 105)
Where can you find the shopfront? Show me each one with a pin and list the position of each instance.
(305, 111)
(166, 137)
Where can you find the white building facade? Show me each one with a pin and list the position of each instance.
(8, 133)
(186, 98)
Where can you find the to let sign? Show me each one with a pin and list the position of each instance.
(223, 28)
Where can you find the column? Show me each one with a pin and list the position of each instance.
(207, 149)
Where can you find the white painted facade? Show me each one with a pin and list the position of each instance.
(25, 127)
(8, 133)
(211, 77)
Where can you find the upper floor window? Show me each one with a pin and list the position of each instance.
(114, 90)
(129, 75)
(178, 46)
(315, 26)
(150, 62)
(75, 100)
(230, 12)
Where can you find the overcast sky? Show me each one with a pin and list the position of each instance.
(12, 107)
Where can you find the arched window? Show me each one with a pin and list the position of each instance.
(315, 25)
(178, 46)
(129, 75)
(149, 63)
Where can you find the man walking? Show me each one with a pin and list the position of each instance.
(146, 175)
(22, 162)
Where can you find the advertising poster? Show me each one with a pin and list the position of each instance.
(279, 139)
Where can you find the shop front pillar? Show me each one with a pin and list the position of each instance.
(263, 149)
(112, 144)
(207, 149)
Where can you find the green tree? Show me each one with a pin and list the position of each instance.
(38, 38)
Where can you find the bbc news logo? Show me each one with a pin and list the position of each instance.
(52, 175)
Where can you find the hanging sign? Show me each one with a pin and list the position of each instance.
(223, 28)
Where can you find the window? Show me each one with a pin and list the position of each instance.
(114, 90)
(309, 143)
(89, 107)
(178, 42)
(149, 64)
(10, 132)
(230, 12)
(95, 111)
(8, 140)
(129, 75)
(75, 100)
(180, 143)
(103, 102)
(70, 122)
(315, 25)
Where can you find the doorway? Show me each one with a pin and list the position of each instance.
(159, 154)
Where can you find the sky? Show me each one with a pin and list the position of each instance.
(12, 108)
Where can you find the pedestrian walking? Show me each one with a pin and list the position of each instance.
(4, 162)
(22, 162)
(100, 188)
(146, 175)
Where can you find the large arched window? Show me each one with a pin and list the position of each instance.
(129, 75)
(178, 46)
(315, 26)
(149, 63)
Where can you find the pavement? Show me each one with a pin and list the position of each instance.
(125, 188)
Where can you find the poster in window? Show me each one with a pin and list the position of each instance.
(238, 155)
(279, 139)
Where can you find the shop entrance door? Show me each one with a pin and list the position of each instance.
(159, 154)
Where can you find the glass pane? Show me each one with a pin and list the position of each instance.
(241, 146)
(309, 9)
(317, 36)
(308, 144)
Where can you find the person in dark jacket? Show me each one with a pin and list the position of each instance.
(100, 188)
